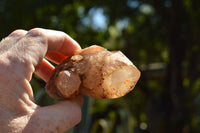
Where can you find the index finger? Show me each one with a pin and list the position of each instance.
(58, 42)
(61, 42)
(55, 45)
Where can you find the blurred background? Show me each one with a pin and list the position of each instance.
(161, 37)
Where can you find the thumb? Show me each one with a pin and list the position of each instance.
(56, 118)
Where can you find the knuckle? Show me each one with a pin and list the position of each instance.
(37, 35)
(36, 32)
(18, 32)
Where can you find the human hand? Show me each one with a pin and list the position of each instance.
(21, 54)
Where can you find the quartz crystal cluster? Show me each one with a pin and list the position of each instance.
(93, 72)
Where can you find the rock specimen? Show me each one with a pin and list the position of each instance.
(94, 72)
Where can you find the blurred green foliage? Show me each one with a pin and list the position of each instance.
(161, 37)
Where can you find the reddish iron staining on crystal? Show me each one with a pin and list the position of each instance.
(102, 74)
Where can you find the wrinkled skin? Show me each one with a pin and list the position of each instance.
(21, 54)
